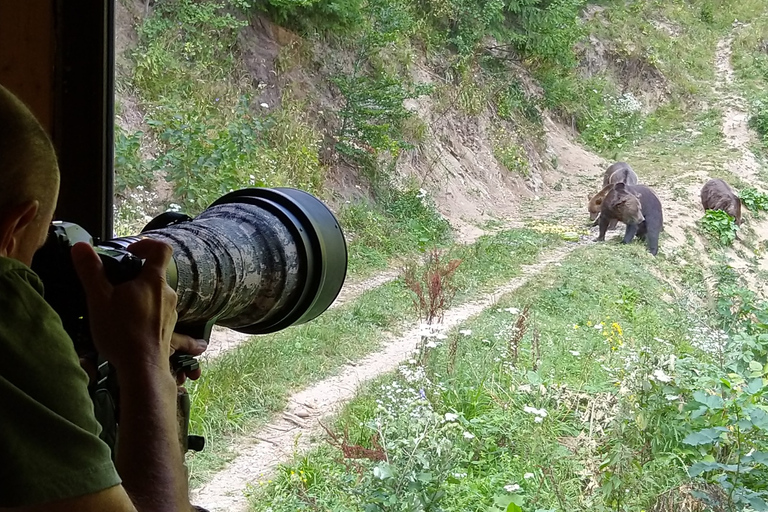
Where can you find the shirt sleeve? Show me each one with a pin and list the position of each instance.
(49, 444)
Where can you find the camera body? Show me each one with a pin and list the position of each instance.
(63, 290)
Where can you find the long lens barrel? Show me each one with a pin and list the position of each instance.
(257, 260)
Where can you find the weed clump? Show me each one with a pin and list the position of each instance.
(719, 226)
(753, 199)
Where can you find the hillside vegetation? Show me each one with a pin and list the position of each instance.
(607, 381)
(366, 103)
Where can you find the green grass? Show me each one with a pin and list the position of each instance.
(242, 388)
(401, 223)
(575, 381)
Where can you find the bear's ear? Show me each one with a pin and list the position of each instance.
(619, 186)
(598, 201)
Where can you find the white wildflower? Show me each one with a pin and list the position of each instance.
(599, 326)
(538, 412)
(660, 376)
(528, 475)
(469, 435)
(525, 388)
(672, 398)
(264, 105)
(449, 416)
(513, 311)
(511, 487)
(466, 332)
(575, 353)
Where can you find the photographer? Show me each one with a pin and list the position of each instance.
(51, 457)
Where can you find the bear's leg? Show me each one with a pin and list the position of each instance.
(629, 234)
(641, 231)
(603, 220)
(613, 224)
(653, 241)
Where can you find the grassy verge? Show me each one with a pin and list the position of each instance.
(477, 444)
(610, 393)
(243, 387)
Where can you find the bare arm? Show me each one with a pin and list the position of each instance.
(132, 324)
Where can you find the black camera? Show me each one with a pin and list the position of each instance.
(257, 261)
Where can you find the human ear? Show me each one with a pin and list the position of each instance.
(14, 222)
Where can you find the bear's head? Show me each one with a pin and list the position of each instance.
(596, 202)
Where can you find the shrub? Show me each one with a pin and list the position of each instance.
(753, 199)
(719, 226)
(131, 170)
(204, 160)
(758, 119)
(613, 124)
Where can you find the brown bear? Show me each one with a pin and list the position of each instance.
(717, 195)
(619, 172)
(639, 208)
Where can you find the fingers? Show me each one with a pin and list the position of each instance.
(187, 344)
(90, 270)
(156, 254)
(182, 377)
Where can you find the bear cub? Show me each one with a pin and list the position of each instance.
(639, 208)
(717, 195)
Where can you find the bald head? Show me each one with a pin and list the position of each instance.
(28, 168)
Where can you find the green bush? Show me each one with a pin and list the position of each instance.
(331, 15)
(606, 121)
(373, 115)
(204, 160)
(131, 170)
(753, 200)
(613, 123)
(758, 119)
(719, 226)
(183, 40)
(540, 30)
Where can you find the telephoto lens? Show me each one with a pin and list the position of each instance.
(257, 260)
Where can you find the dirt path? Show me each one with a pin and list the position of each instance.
(258, 453)
(261, 452)
(738, 139)
(738, 136)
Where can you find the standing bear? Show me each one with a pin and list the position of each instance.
(717, 195)
(639, 208)
(619, 172)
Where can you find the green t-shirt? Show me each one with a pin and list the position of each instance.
(49, 444)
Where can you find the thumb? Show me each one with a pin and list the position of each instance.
(90, 270)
